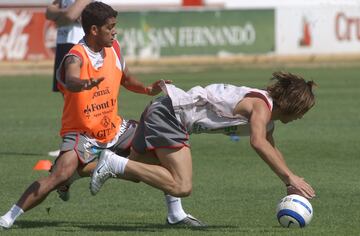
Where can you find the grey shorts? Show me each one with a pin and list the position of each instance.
(159, 128)
(87, 150)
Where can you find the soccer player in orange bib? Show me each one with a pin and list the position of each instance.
(89, 77)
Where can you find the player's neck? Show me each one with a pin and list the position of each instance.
(92, 45)
(275, 113)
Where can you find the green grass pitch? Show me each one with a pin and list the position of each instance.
(234, 191)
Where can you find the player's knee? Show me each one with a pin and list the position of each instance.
(185, 192)
(57, 178)
(183, 189)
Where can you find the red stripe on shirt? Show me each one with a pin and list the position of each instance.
(116, 47)
(76, 53)
(259, 95)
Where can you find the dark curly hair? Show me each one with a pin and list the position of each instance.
(96, 13)
(291, 93)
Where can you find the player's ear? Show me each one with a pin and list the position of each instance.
(94, 30)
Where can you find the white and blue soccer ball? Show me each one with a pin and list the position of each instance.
(294, 211)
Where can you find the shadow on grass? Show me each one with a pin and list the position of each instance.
(20, 154)
(69, 226)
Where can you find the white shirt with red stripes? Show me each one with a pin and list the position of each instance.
(210, 109)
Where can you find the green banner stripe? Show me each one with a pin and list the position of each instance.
(216, 32)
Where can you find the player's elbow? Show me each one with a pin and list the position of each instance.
(49, 15)
(69, 18)
(256, 142)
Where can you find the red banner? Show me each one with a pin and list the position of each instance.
(25, 34)
(192, 3)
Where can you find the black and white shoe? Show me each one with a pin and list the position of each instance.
(188, 221)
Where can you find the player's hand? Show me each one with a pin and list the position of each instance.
(155, 88)
(297, 185)
(291, 190)
(91, 83)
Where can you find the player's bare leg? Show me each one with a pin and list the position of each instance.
(176, 215)
(177, 160)
(82, 171)
(39, 190)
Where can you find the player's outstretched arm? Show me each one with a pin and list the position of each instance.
(289, 187)
(72, 76)
(134, 85)
(259, 140)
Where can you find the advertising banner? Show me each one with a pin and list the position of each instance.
(155, 34)
(25, 34)
(319, 29)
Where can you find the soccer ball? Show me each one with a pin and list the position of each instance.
(294, 211)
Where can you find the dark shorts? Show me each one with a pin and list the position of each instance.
(159, 128)
(61, 51)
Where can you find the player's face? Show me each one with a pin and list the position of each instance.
(107, 33)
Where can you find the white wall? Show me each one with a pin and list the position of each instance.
(282, 3)
(331, 29)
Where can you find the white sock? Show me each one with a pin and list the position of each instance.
(12, 214)
(118, 163)
(175, 210)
